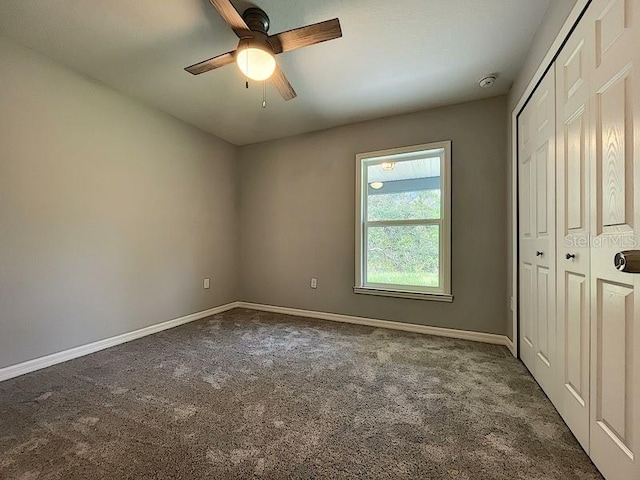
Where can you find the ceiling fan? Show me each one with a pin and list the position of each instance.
(256, 50)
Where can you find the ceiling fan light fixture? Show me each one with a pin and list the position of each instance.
(256, 61)
(388, 166)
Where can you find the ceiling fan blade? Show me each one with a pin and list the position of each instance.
(230, 15)
(212, 63)
(305, 36)
(282, 84)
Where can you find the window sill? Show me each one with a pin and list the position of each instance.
(435, 297)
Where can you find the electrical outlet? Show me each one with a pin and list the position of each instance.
(206, 283)
(314, 282)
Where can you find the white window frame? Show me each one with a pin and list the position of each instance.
(443, 292)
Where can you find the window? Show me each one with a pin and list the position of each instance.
(403, 222)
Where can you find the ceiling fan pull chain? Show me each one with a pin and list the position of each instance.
(264, 94)
(247, 79)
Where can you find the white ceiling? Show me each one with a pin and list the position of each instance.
(394, 57)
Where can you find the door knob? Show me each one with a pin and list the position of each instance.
(539, 254)
(569, 256)
(627, 261)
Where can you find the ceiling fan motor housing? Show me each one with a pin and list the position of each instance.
(256, 19)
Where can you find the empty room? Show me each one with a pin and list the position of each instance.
(320, 239)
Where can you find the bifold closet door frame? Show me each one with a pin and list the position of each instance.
(613, 141)
(554, 49)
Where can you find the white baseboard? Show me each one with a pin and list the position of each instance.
(372, 322)
(510, 346)
(59, 357)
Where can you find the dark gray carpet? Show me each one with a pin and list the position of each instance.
(250, 394)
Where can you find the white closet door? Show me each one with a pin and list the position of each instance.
(527, 228)
(544, 156)
(537, 234)
(615, 225)
(573, 68)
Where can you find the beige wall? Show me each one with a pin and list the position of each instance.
(298, 207)
(553, 21)
(111, 213)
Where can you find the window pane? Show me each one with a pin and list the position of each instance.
(415, 205)
(406, 190)
(404, 255)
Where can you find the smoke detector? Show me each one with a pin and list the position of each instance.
(488, 81)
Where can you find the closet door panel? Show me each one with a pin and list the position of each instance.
(527, 237)
(545, 261)
(536, 163)
(572, 98)
(527, 312)
(615, 296)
